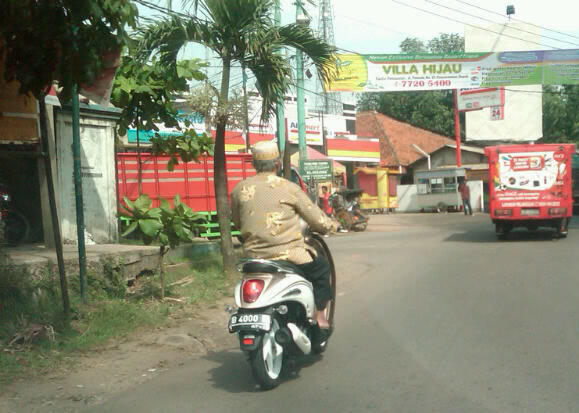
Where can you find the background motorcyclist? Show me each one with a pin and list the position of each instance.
(267, 210)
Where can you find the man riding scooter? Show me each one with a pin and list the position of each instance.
(267, 209)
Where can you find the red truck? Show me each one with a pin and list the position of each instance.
(530, 185)
(193, 181)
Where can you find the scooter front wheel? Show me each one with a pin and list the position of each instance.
(267, 360)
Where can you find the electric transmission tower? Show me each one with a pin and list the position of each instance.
(327, 102)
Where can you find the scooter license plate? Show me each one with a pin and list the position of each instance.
(250, 321)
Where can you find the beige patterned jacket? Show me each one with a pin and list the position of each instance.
(267, 210)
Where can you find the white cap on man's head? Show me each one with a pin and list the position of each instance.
(265, 151)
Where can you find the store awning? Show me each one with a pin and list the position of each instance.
(354, 149)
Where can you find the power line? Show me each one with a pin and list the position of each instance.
(167, 11)
(318, 94)
(472, 25)
(378, 26)
(491, 21)
(515, 19)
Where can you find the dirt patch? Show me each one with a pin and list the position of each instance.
(123, 364)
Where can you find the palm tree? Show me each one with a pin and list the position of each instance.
(242, 32)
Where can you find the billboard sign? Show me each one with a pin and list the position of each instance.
(314, 135)
(405, 72)
(475, 99)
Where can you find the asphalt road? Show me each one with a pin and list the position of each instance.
(433, 315)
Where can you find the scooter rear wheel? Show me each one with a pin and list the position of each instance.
(267, 361)
(321, 248)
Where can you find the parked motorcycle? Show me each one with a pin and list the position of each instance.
(14, 226)
(346, 209)
(275, 318)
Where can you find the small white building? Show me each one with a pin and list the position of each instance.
(436, 179)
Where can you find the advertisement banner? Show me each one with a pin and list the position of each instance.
(474, 99)
(313, 132)
(400, 72)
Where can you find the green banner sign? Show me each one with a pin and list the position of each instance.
(388, 73)
(319, 170)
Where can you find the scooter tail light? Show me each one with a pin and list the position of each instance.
(252, 289)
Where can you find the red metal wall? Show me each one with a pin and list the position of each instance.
(192, 181)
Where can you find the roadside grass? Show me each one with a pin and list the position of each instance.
(113, 311)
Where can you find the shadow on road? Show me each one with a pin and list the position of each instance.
(490, 237)
(233, 372)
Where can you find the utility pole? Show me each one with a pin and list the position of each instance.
(77, 172)
(245, 110)
(331, 103)
(279, 107)
(457, 130)
(301, 19)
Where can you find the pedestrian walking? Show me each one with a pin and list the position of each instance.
(465, 195)
(325, 201)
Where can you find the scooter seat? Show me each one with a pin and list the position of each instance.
(269, 267)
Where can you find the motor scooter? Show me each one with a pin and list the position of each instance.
(275, 318)
(14, 226)
(346, 209)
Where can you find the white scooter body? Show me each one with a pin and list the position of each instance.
(275, 319)
(278, 288)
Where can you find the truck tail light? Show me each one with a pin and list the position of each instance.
(503, 212)
(557, 211)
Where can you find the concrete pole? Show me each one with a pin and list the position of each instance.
(279, 108)
(457, 130)
(245, 110)
(300, 96)
(76, 156)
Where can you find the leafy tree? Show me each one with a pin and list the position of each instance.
(187, 147)
(205, 100)
(64, 41)
(412, 45)
(431, 110)
(145, 92)
(560, 115)
(165, 225)
(241, 31)
(46, 41)
(446, 43)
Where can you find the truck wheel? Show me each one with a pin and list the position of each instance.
(442, 207)
(562, 228)
(502, 231)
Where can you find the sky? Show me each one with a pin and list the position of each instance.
(379, 26)
(373, 26)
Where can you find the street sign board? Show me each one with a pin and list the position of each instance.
(319, 170)
(497, 112)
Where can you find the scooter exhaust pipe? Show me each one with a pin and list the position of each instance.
(301, 340)
(283, 337)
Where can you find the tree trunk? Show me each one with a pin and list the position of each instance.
(139, 163)
(219, 173)
(163, 251)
